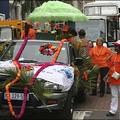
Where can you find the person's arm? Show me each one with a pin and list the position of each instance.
(34, 34)
(108, 60)
(108, 55)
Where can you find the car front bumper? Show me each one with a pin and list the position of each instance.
(55, 101)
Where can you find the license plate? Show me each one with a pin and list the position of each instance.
(16, 96)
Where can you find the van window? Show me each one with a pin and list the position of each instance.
(5, 34)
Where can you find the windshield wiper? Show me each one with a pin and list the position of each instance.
(28, 61)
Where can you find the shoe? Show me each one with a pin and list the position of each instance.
(101, 94)
(110, 114)
(108, 92)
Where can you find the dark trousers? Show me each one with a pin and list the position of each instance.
(103, 71)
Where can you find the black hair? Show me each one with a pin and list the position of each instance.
(27, 27)
(82, 32)
(90, 41)
(72, 31)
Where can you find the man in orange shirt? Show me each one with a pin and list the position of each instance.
(28, 32)
(99, 55)
(114, 79)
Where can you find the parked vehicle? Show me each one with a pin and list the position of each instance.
(61, 98)
(104, 21)
(9, 30)
(9, 33)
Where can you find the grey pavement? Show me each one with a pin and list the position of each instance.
(95, 108)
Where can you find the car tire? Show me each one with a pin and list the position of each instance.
(69, 106)
(68, 111)
(80, 96)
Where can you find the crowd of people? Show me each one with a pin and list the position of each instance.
(113, 78)
(99, 55)
(108, 62)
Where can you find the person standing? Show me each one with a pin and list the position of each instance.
(90, 45)
(94, 82)
(114, 79)
(80, 45)
(83, 49)
(28, 32)
(99, 55)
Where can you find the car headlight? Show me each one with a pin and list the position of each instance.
(53, 86)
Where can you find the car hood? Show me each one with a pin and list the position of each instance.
(57, 73)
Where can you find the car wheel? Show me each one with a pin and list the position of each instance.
(69, 107)
(80, 96)
(68, 112)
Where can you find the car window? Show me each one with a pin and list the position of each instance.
(31, 52)
(5, 33)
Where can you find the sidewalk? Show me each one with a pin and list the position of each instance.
(96, 108)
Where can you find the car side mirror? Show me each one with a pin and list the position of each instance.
(78, 61)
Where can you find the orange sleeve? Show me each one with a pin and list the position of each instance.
(109, 62)
(32, 34)
(108, 54)
(115, 66)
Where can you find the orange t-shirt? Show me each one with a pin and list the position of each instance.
(99, 55)
(31, 34)
(114, 66)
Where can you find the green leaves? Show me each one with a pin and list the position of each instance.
(11, 74)
(25, 77)
(92, 72)
(38, 88)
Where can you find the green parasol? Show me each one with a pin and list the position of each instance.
(56, 11)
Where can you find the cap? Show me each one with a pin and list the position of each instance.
(117, 43)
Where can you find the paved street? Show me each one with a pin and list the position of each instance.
(94, 108)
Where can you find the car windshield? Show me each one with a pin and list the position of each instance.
(31, 52)
(94, 28)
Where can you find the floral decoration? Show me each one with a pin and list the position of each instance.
(47, 49)
(7, 87)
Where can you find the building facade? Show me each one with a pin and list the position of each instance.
(20, 9)
(4, 8)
